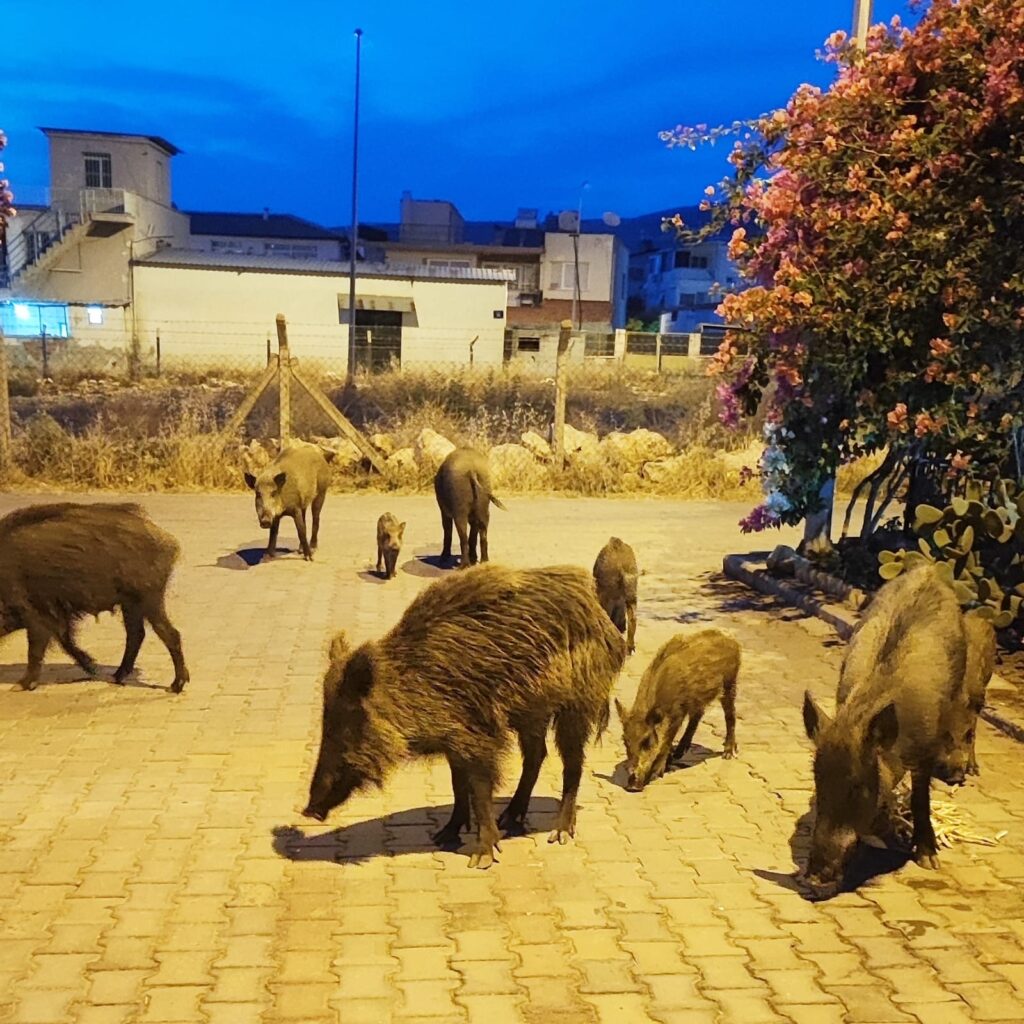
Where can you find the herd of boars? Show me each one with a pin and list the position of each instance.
(491, 653)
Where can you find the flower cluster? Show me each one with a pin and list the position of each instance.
(6, 196)
(885, 301)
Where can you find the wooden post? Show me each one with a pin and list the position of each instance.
(561, 359)
(284, 379)
(657, 350)
(5, 413)
(158, 351)
(269, 357)
(46, 356)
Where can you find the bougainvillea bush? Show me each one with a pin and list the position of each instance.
(880, 226)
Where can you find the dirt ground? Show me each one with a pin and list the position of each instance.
(154, 867)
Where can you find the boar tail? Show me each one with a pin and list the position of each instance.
(496, 501)
(603, 718)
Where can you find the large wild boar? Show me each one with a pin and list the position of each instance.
(689, 672)
(294, 481)
(62, 561)
(901, 677)
(615, 574)
(389, 543)
(476, 657)
(464, 495)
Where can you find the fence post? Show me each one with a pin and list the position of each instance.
(657, 350)
(5, 413)
(284, 379)
(46, 356)
(561, 359)
(620, 344)
(268, 350)
(471, 344)
(158, 351)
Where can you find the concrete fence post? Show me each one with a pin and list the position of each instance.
(561, 361)
(284, 379)
(620, 344)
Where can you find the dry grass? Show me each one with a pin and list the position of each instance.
(157, 435)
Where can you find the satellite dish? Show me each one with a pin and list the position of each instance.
(568, 220)
(613, 220)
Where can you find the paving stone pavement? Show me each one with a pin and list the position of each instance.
(153, 865)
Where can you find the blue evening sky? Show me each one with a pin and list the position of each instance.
(491, 106)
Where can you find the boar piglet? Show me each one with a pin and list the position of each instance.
(464, 495)
(689, 672)
(615, 575)
(901, 677)
(389, 543)
(294, 481)
(477, 656)
(63, 561)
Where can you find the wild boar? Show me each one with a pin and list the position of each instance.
(294, 481)
(689, 672)
(389, 543)
(464, 495)
(900, 679)
(62, 561)
(615, 574)
(476, 657)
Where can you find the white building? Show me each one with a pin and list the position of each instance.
(220, 310)
(280, 235)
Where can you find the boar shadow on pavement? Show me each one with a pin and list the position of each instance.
(64, 675)
(408, 831)
(249, 558)
(867, 863)
(731, 596)
(428, 565)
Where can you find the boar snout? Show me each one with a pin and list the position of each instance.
(831, 849)
(315, 813)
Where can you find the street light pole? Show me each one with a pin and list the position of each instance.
(577, 298)
(353, 241)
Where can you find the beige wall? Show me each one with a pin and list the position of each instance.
(596, 251)
(225, 316)
(136, 165)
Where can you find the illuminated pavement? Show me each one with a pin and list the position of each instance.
(150, 871)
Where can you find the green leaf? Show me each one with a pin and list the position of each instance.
(960, 507)
(886, 556)
(993, 523)
(890, 570)
(986, 612)
(926, 548)
(941, 539)
(964, 593)
(944, 570)
(966, 539)
(1002, 619)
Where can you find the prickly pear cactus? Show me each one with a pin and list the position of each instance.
(979, 547)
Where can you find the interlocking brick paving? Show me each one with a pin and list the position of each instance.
(153, 865)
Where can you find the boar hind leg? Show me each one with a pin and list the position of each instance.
(171, 638)
(39, 636)
(474, 536)
(318, 503)
(380, 559)
(571, 732)
(729, 707)
(513, 818)
(483, 544)
(446, 528)
(481, 795)
(466, 557)
(684, 744)
(135, 633)
(451, 834)
(300, 529)
(926, 849)
(631, 627)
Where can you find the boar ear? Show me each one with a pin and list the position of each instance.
(815, 720)
(358, 679)
(280, 479)
(401, 529)
(884, 728)
(339, 648)
(250, 480)
(621, 710)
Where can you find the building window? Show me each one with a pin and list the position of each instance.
(95, 314)
(97, 171)
(528, 345)
(451, 264)
(686, 259)
(228, 245)
(34, 319)
(563, 276)
(290, 250)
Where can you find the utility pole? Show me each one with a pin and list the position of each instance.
(861, 20)
(353, 242)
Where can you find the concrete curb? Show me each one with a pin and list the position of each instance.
(753, 574)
